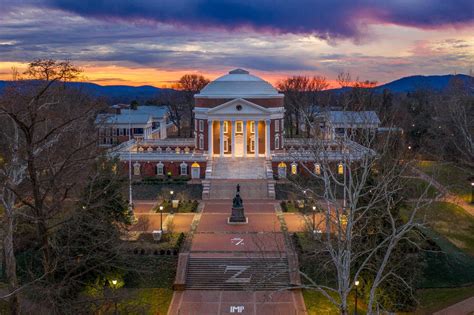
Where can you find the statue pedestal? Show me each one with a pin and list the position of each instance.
(237, 217)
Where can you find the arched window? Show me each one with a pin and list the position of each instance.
(294, 168)
(282, 170)
(317, 169)
(160, 169)
(183, 169)
(277, 141)
(136, 169)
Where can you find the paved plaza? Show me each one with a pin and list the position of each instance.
(215, 243)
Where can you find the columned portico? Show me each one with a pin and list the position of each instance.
(233, 138)
(267, 138)
(245, 137)
(221, 138)
(209, 137)
(255, 126)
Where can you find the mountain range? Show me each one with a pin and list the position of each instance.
(125, 93)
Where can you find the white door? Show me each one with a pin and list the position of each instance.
(239, 145)
(195, 172)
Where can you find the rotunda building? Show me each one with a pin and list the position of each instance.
(239, 115)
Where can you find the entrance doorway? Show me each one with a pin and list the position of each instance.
(239, 145)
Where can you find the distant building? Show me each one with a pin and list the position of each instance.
(142, 123)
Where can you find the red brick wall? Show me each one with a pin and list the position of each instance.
(148, 168)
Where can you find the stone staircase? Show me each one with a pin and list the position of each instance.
(238, 168)
(255, 177)
(237, 273)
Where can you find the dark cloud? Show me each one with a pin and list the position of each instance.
(324, 18)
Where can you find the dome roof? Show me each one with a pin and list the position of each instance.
(238, 83)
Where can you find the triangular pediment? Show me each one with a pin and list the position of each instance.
(239, 106)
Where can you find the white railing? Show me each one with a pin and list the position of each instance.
(164, 156)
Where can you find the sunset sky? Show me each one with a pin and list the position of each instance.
(154, 42)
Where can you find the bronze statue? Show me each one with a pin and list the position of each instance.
(237, 215)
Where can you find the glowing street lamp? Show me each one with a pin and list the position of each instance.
(314, 219)
(161, 219)
(356, 283)
(472, 192)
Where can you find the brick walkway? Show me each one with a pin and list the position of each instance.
(196, 302)
(215, 239)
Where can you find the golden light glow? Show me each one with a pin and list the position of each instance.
(340, 169)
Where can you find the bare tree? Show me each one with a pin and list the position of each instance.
(453, 124)
(50, 131)
(358, 188)
(191, 84)
(302, 98)
(176, 107)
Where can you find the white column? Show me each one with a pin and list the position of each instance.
(163, 134)
(221, 140)
(233, 138)
(245, 138)
(209, 137)
(267, 138)
(255, 124)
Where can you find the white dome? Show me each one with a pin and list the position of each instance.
(238, 83)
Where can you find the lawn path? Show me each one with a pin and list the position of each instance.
(461, 308)
(446, 195)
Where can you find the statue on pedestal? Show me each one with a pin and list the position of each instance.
(237, 215)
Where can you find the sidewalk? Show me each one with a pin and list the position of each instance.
(465, 307)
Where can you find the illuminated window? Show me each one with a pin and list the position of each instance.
(252, 127)
(239, 127)
(317, 169)
(136, 169)
(294, 168)
(340, 168)
(277, 142)
(226, 127)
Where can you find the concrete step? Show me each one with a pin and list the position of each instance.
(237, 273)
(238, 168)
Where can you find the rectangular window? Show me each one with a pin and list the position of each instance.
(201, 142)
(184, 169)
(252, 127)
(201, 125)
(277, 125)
(226, 127)
(239, 127)
(138, 131)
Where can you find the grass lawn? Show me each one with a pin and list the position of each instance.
(416, 187)
(318, 304)
(454, 178)
(452, 222)
(432, 300)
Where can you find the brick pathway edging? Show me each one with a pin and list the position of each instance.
(183, 258)
(293, 263)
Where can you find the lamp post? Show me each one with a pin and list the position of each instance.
(161, 219)
(472, 192)
(171, 201)
(356, 283)
(314, 219)
(114, 286)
